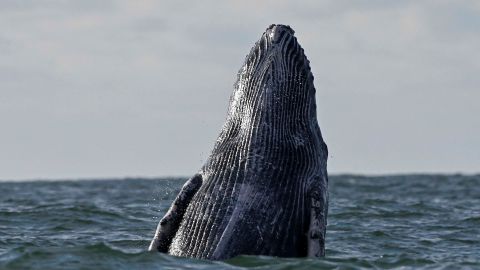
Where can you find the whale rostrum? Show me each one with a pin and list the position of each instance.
(264, 188)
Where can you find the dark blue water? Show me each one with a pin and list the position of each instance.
(394, 222)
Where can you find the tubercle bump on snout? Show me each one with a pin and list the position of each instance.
(276, 32)
(282, 27)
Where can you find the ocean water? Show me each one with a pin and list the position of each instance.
(384, 222)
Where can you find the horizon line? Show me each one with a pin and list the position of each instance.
(179, 177)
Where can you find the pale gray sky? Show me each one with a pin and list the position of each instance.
(140, 88)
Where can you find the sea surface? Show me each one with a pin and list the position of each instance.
(382, 222)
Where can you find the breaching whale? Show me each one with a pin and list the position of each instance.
(264, 188)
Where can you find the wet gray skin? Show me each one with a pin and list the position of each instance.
(263, 189)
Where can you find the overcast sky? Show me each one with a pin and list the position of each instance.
(94, 88)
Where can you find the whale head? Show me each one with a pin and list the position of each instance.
(275, 84)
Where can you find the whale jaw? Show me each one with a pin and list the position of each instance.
(274, 86)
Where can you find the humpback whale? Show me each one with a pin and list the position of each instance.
(264, 188)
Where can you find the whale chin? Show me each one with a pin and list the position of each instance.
(274, 78)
